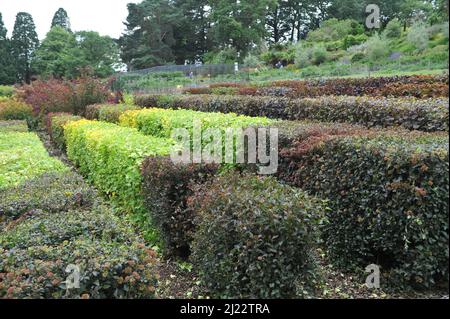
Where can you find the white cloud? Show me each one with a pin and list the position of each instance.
(103, 16)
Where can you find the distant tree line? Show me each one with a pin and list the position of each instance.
(62, 54)
(160, 32)
(168, 31)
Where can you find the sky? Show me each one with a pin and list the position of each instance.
(104, 16)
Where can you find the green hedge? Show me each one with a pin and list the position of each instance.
(160, 122)
(52, 193)
(166, 187)
(12, 109)
(110, 156)
(55, 127)
(108, 112)
(13, 126)
(23, 156)
(254, 237)
(388, 194)
(6, 91)
(410, 113)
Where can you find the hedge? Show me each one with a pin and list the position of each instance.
(7, 91)
(53, 193)
(13, 126)
(107, 270)
(110, 156)
(388, 194)
(23, 156)
(108, 112)
(160, 122)
(410, 113)
(12, 109)
(418, 86)
(254, 237)
(55, 127)
(166, 187)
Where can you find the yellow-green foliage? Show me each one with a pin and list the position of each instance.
(160, 122)
(12, 109)
(111, 156)
(22, 156)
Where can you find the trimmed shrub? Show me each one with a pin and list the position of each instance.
(12, 109)
(23, 156)
(13, 126)
(111, 156)
(254, 237)
(92, 111)
(51, 193)
(111, 113)
(6, 90)
(420, 86)
(108, 270)
(410, 113)
(55, 127)
(166, 187)
(161, 122)
(388, 194)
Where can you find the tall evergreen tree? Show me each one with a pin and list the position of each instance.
(149, 36)
(7, 65)
(24, 44)
(61, 19)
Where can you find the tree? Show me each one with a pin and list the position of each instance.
(61, 19)
(24, 43)
(59, 56)
(149, 36)
(7, 65)
(239, 24)
(100, 53)
(192, 37)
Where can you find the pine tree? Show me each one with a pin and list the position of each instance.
(24, 44)
(7, 65)
(61, 19)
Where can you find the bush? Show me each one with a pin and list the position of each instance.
(23, 156)
(393, 29)
(6, 91)
(110, 156)
(56, 96)
(15, 110)
(46, 229)
(108, 270)
(166, 187)
(161, 122)
(418, 36)
(13, 126)
(410, 113)
(352, 40)
(254, 237)
(388, 194)
(377, 49)
(55, 127)
(111, 112)
(52, 193)
(319, 55)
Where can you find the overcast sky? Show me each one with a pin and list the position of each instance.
(103, 16)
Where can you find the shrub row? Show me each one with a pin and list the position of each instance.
(6, 91)
(410, 113)
(255, 237)
(51, 192)
(22, 156)
(54, 221)
(388, 194)
(55, 127)
(108, 112)
(161, 122)
(13, 126)
(414, 86)
(12, 109)
(110, 156)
